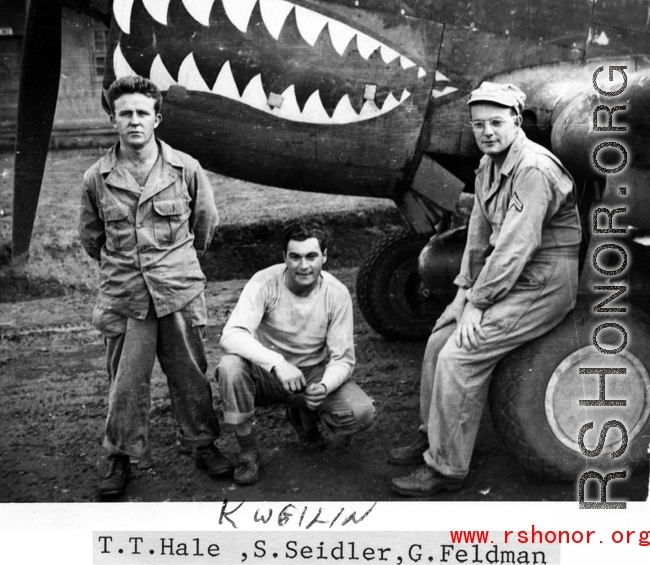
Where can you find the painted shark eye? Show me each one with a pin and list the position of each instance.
(271, 83)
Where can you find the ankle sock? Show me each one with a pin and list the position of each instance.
(247, 442)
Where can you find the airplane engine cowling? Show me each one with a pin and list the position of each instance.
(574, 136)
(619, 151)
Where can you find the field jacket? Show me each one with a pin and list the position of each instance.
(530, 208)
(148, 239)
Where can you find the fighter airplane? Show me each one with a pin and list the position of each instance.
(368, 98)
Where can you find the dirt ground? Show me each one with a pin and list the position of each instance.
(53, 384)
(53, 402)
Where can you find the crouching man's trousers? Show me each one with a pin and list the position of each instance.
(244, 385)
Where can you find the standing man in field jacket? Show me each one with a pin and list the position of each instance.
(518, 279)
(147, 215)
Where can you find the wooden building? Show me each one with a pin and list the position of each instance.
(79, 119)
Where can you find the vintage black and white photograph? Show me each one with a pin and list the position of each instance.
(324, 250)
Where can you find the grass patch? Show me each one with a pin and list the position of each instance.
(251, 216)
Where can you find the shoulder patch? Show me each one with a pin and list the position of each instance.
(516, 202)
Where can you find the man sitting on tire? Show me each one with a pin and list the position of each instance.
(289, 340)
(518, 279)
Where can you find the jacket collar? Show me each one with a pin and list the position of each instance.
(512, 158)
(116, 176)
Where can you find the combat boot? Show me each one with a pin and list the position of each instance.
(247, 469)
(119, 473)
(210, 458)
(425, 481)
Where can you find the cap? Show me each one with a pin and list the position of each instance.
(499, 93)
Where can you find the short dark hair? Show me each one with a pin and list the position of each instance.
(302, 230)
(134, 85)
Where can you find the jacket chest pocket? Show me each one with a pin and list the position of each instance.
(119, 227)
(170, 220)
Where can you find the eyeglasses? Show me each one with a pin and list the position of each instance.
(495, 123)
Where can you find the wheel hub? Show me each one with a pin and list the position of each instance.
(567, 387)
(404, 290)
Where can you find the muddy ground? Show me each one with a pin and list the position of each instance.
(53, 402)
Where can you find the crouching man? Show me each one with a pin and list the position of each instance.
(518, 279)
(289, 341)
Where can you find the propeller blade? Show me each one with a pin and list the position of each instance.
(38, 92)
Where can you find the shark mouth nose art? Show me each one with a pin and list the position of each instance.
(272, 55)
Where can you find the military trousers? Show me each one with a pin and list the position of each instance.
(455, 380)
(132, 346)
(244, 385)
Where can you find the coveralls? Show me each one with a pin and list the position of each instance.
(151, 301)
(315, 333)
(520, 266)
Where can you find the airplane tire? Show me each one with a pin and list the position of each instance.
(535, 392)
(389, 288)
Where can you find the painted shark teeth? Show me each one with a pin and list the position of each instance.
(159, 74)
(344, 112)
(190, 77)
(157, 9)
(341, 35)
(122, 12)
(436, 93)
(274, 13)
(310, 24)
(366, 45)
(289, 105)
(313, 111)
(199, 10)
(254, 95)
(225, 84)
(121, 65)
(389, 55)
(239, 12)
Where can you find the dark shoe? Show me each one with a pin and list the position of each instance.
(425, 481)
(210, 458)
(119, 473)
(410, 454)
(247, 469)
(310, 438)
